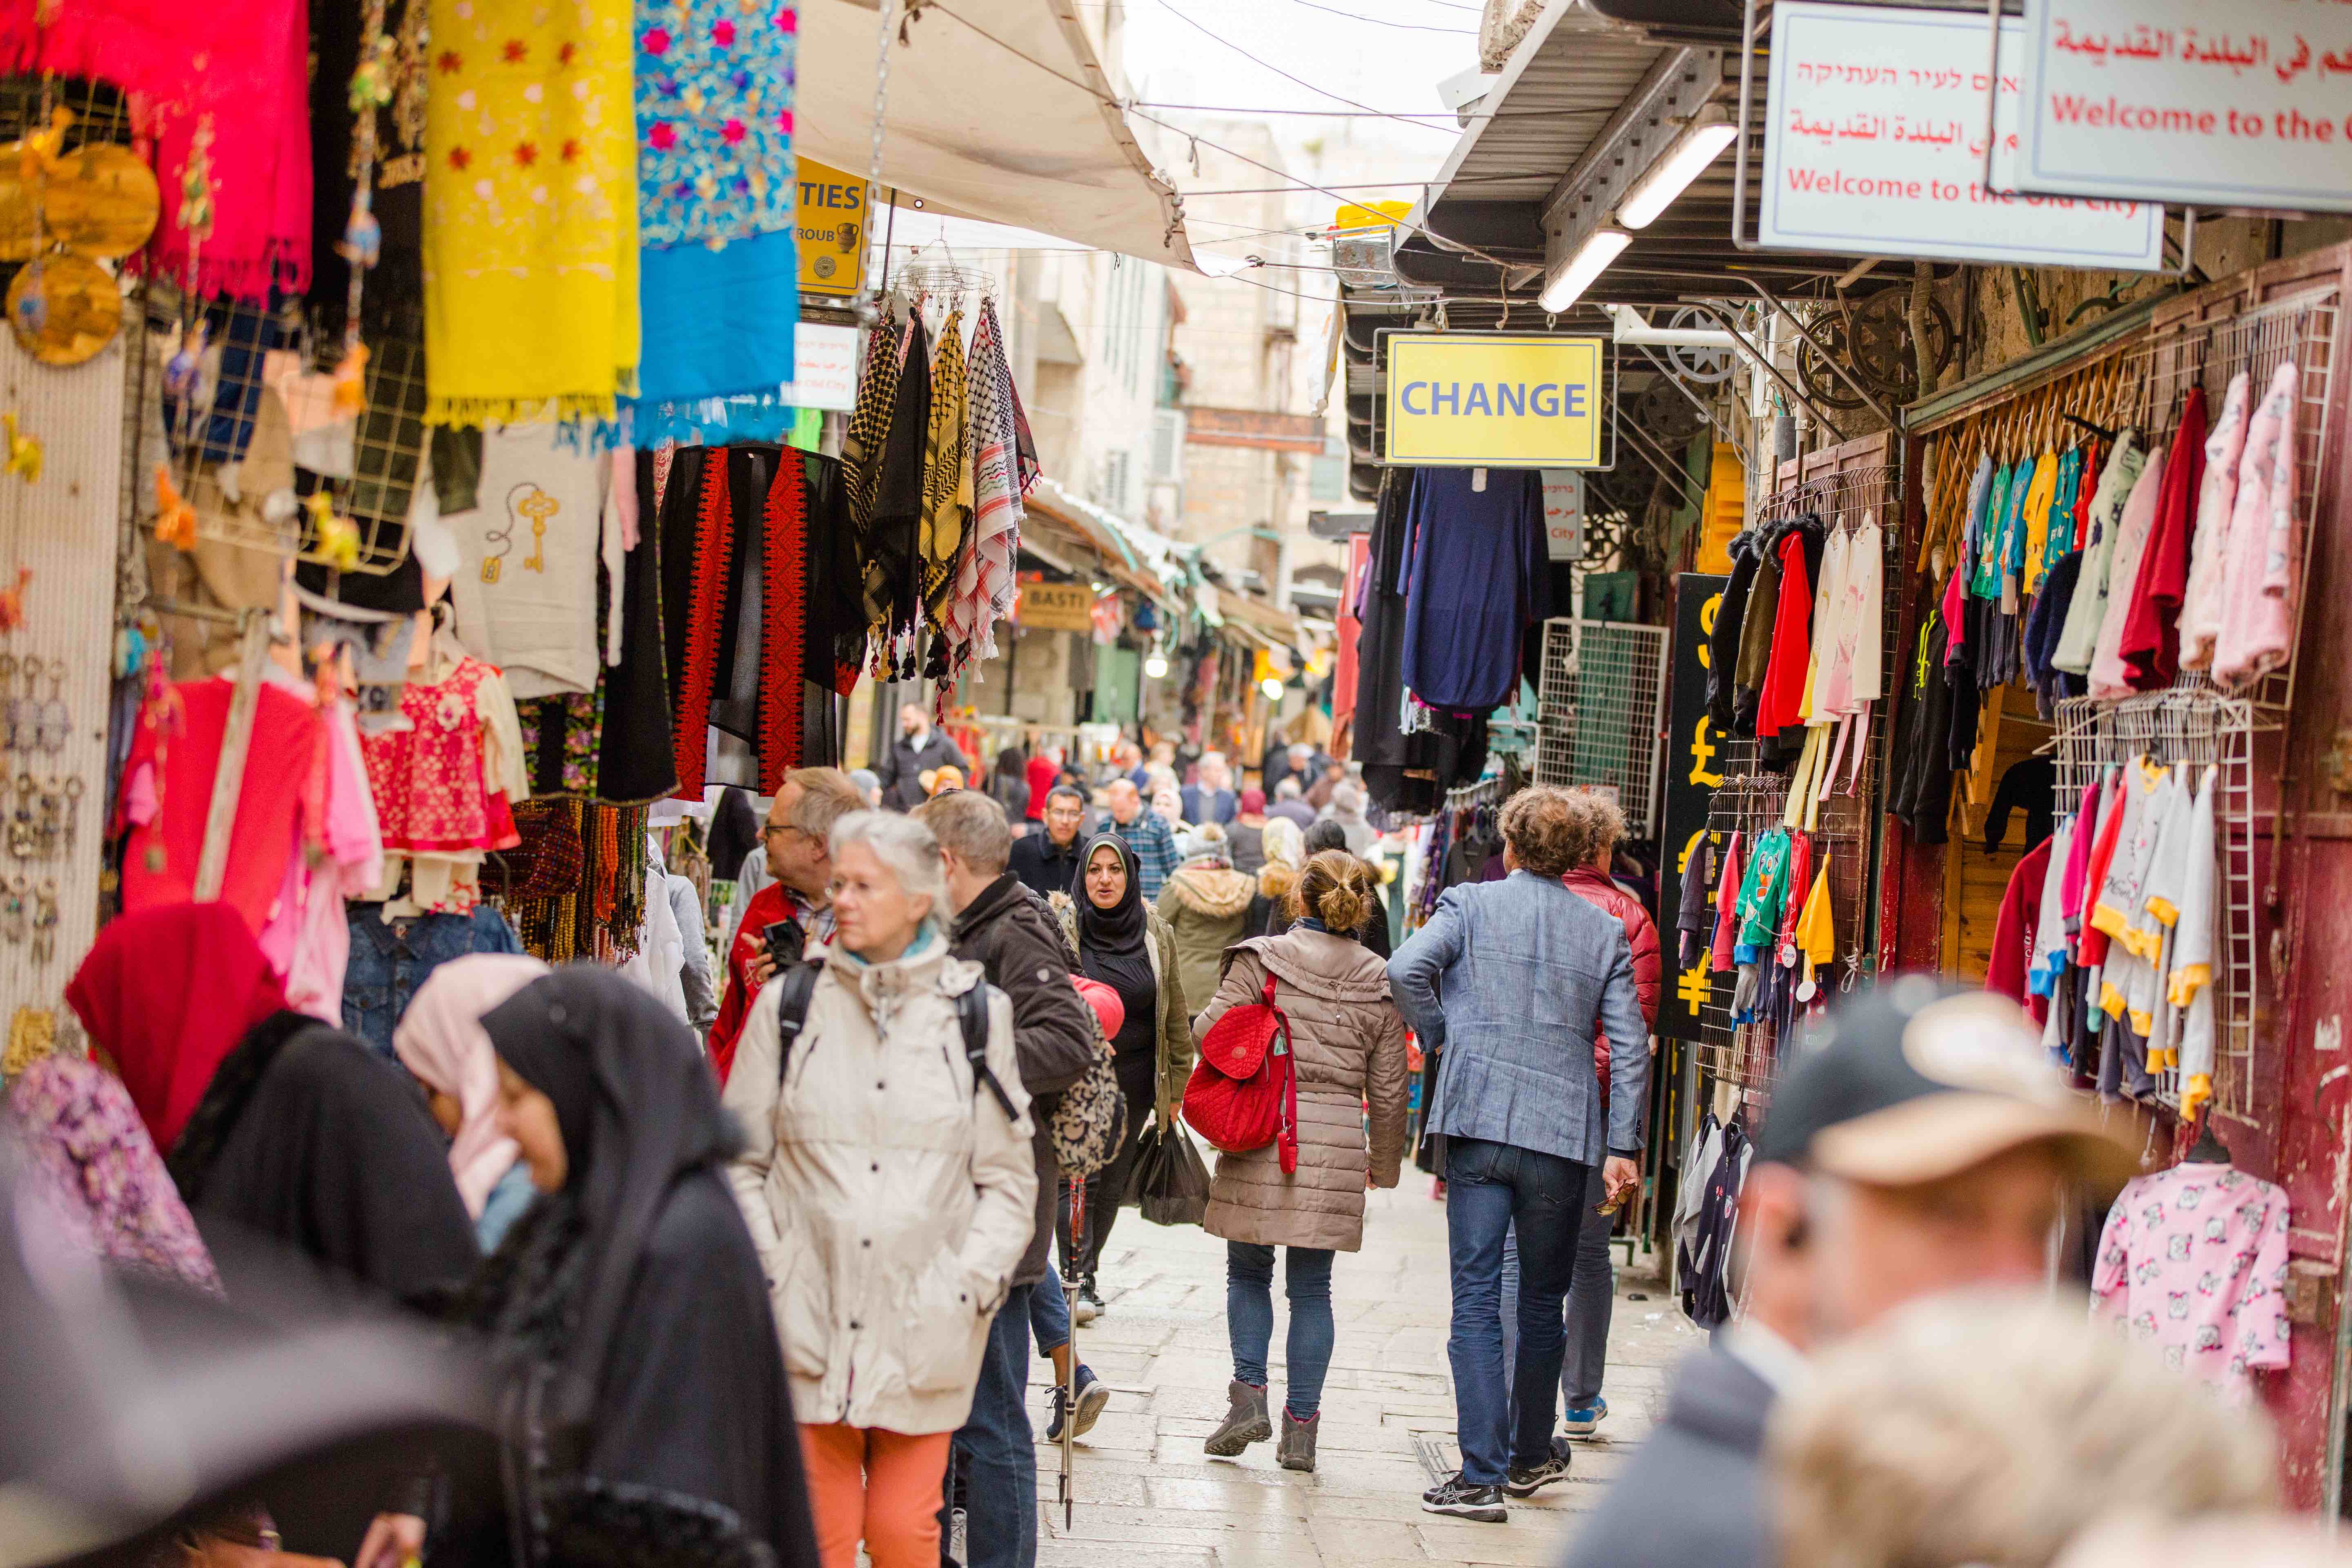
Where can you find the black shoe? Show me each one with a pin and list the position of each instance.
(1090, 1303)
(1525, 1481)
(1462, 1499)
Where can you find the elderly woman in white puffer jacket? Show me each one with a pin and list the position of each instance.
(891, 1191)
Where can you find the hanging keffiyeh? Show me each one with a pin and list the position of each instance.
(225, 84)
(947, 472)
(531, 216)
(983, 585)
(721, 280)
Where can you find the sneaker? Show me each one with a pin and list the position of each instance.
(1528, 1481)
(1583, 1419)
(1088, 1306)
(1093, 1396)
(1462, 1499)
(1244, 1423)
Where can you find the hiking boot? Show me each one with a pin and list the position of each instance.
(1244, 1423)
(1296, 1449)
(1465, 1499)
(1093, 1394)
(1089, 1306)
(1527, 1480)
(1582, 1418)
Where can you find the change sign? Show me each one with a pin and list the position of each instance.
(1476, 400)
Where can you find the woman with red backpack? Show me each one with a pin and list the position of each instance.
(1305, 1191)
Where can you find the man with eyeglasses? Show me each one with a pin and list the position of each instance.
(799, 827)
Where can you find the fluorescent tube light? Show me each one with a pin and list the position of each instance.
(1700, 144)
(1590, 260)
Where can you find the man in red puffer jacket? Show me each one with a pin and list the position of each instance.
(1591, 1293)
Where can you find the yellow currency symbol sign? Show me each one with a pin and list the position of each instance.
(1701, 753)
(1693, 986)
(1706, 626)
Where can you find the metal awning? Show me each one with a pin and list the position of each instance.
(1594, 94)
(996, 109)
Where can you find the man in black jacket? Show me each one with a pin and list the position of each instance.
(1047, 862)
(999, 927)
(1923, 1149)
(917, 749)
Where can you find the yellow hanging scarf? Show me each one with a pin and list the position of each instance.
(531, 211)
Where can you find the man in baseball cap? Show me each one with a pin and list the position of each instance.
(1925, 1145)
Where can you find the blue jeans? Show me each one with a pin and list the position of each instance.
(1049, 1312)
(1249, 1318)
(1592, 1297)
(995, 1450)
(1503, 1413)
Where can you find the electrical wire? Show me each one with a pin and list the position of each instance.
(1208, 32)
(1501, 266)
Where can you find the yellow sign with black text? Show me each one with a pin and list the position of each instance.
(831, 216)
(1055, 608)
(1493, 400)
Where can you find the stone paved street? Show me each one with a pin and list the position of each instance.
(1147, 1496)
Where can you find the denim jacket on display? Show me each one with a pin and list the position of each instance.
(390, 958)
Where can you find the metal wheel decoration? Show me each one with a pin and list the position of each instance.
(1873, 340)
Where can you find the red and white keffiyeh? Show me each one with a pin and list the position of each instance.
(983, 583)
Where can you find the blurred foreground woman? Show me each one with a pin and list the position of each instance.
(647, 1415)
(292, 1143)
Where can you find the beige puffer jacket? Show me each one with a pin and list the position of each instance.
(1206, 907)
(1350, 1041)
(888, 1195)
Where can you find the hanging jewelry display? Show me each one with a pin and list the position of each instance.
(32, 1034)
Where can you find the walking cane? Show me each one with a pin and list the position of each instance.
(1077, 1190)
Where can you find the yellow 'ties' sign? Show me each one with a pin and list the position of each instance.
(832, 218)
(1485, 400)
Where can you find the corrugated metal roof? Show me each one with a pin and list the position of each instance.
(1556, 93)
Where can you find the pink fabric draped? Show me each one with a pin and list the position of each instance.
(239, 66)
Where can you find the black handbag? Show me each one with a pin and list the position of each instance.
(1170, 1185)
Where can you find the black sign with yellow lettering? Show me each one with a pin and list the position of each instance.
(1693, 767)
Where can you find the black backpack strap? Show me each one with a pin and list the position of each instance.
(971, 1013)
(799, 984)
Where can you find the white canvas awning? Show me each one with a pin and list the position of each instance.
(979, 131)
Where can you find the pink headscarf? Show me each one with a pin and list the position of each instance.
(442, 1041)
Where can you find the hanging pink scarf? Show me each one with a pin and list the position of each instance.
(239, 66)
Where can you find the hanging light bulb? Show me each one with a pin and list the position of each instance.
(1155, 664)
(1272, 686)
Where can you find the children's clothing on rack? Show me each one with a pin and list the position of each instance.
(2194, 1261)
(445, 787)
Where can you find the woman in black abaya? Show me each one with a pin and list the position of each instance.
(627, 1312)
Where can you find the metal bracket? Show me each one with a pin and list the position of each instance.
(1658, 458)
(1664, 367)
(1827, 358)
(1763, 361)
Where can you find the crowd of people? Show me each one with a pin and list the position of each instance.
(768, 1295)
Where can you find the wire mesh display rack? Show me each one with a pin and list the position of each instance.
(1752, 801)
(1602, 711)
(2256, 341)
(2194, 726)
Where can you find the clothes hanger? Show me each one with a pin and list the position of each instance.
(2208, 1149)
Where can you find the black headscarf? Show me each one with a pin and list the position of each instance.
(669, 1414)
(1119, 929)
(1111, 948)
(637, 1108)
(734, 834)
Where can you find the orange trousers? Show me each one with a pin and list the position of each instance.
(877, 1485)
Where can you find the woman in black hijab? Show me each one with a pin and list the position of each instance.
(627, 1312)
(1117, 939)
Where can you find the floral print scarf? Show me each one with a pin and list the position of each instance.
(84, 1137)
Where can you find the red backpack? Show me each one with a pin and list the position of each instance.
(1243, 1093)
